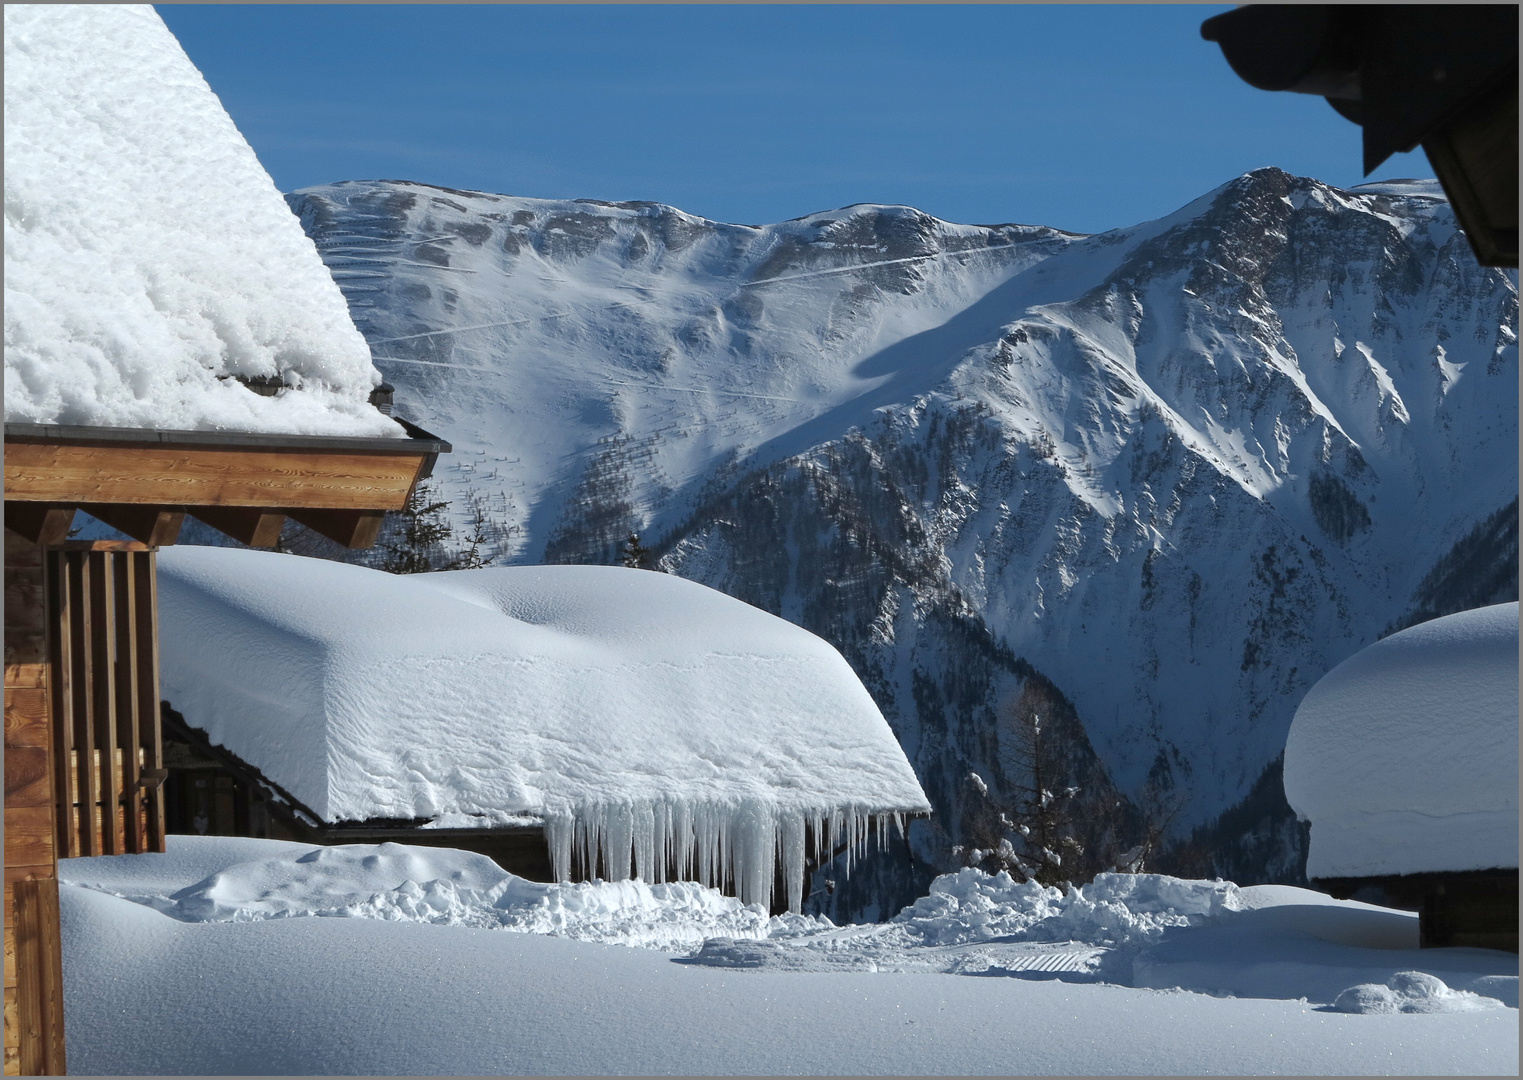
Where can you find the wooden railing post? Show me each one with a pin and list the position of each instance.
(108, 749)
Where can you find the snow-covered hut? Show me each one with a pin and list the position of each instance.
(1404, 758)
(638, 722)
(173, 345)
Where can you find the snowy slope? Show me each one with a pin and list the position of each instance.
(1405, 756)
(561, 340)
(148, 255)
(634, 712)
(1155, 482)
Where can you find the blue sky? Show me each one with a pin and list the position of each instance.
(1082, 117)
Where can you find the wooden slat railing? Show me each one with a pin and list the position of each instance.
(108, 748)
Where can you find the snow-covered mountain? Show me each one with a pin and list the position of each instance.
(1150, 484)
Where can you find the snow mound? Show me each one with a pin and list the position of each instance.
(148, 255)
(1502, 987)
(645, 718)
(1410, 992)
(971, 905)
(1404, 757)
(976, 923)
(447, 887)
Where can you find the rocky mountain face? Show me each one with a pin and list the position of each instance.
(1148, 485)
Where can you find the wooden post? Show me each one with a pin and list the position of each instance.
(39, 971)
(150, 734)
(128, 744)
(103, 697)
(31, 867)
(82, 765)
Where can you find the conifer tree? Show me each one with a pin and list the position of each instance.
(417, 535)
(634, 554)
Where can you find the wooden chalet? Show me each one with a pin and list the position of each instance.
(1404, 760)
(211, 791)
(84, 748)
(1475, 909)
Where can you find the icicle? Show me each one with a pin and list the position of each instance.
(790, 849)
(642, 825)
(747, 848)
(559, 829)
(706, 827)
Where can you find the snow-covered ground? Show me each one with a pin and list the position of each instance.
(148, 256)
(436, 961)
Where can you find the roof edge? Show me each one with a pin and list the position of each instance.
(418, 441)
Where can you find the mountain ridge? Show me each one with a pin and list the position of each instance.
(1181, 469)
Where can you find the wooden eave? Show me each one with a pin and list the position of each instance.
(144, 482)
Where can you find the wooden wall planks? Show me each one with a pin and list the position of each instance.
(39, 989)
(29, 812)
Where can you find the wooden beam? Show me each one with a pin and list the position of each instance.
(146, 638)
(60, 702)
(124, 684)
(352, 528)
(256, 527)
(102, 545)
(40, 523)
(81, 760)
(39, 976)
(103, 697)
(179, 475)
(156, 526)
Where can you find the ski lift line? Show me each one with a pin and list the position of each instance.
(326, 238)
(489, 326)
(721, 393)
(437, 363)
(434, 266)
(479, 326)
(883, 262)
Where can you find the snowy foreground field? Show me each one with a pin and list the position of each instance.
(433, 961)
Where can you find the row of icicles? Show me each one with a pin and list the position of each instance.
(741, 846)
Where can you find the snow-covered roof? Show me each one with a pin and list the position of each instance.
(1404, 757)
(148, 255)
(627, 708)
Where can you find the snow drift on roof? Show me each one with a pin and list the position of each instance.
(1405, 756)
(148, 255)
(634, 711)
